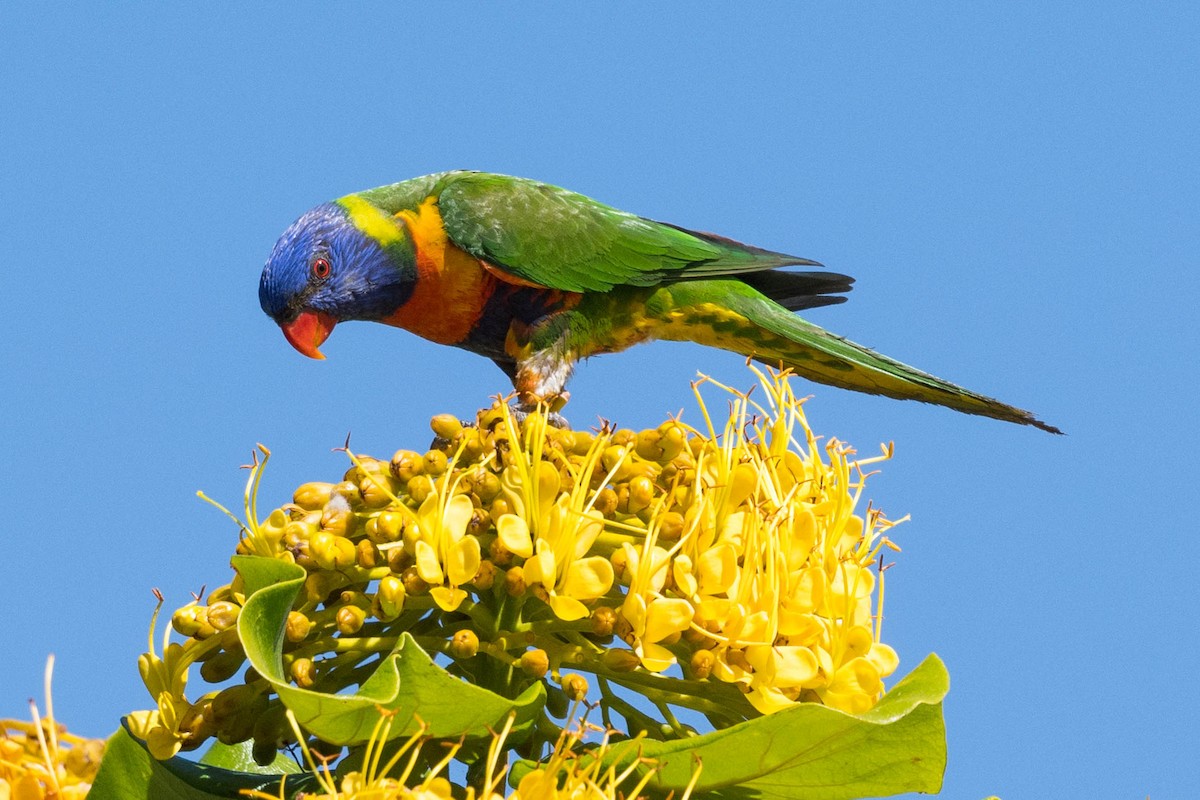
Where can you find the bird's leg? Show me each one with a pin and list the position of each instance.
(541, 381)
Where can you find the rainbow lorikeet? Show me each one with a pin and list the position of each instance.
(536, 277)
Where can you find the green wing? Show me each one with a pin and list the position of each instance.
(563, 240)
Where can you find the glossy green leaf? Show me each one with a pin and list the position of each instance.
(240, 758)
(129, 771)
(811, 752)
(406, 681)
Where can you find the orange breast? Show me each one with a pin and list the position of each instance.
(452, 285)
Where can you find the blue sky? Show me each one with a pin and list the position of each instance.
(1015, 187)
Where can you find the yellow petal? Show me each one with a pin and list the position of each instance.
(768, 699)
(857, 675)
(462, 562)
(884, 658)
(808, 589)
(458, 513)
(754, 628)
(448, 598)
(655, 657)
(851, 580)
(549, 482)
(794, 666)
(590, 526)
(428, 566)
(540, 568)
(803, 537)
(718, 569)
(634, 611)
(735, 528)
(665, 616)
(513, 533)
(566, 608)
(681, 571)
(428, 512)
(587, 579)
(742, 483)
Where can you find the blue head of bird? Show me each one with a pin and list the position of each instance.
(324, 270)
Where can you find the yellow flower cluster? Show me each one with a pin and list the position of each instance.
(572, 771)
(729, 569)
(41, 760)
(772, 576)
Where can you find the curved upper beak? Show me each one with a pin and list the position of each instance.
(309, 331)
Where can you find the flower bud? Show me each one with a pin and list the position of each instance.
(614, 458)
(337, 518)
(297, 627)
(621, 660)
(498, 553)
(420, 487)
(414, 584)
(313, 496)
(672, 439)
(377, 490)
(514, 581)
(603, 619)
(192, 620)
(500, 507)
(223, 615)
(389, 598)
(406, 465)
(670, 526)
(399, 559)
(332, 552)
(435, 463)
(303, 672)
(479, 522)
(464, 644)
(535, 663)
(485, 576)
(575, 686)
(348, 491)
(389, 527)
(446, 426)
(222, 666)
(350, 620)
(196, 725)
(641, 494)
(367, 555)
(702, 663)
(606, 502)
(487, 486)
(318, 586)
(233, 701)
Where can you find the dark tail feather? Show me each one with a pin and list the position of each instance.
(799, 290)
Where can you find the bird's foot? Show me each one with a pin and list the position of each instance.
(520, 412)
(550, 405)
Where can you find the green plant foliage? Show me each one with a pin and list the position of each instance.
(129, 771)
(407, 681)
(812, 752)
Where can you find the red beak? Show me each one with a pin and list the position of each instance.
(309, 331)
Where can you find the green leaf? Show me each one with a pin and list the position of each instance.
(407, 681)
(240, 758)
(811, 752)
(128, 770)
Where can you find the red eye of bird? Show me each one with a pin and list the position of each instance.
(321, 268)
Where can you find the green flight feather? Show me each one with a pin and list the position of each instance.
(769, 333)
(592, 247)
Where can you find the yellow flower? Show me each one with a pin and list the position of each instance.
(446, 556)
(554, 531)
(560, 563)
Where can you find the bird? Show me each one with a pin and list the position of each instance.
(536, 277)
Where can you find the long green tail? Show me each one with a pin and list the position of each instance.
(732, 316)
